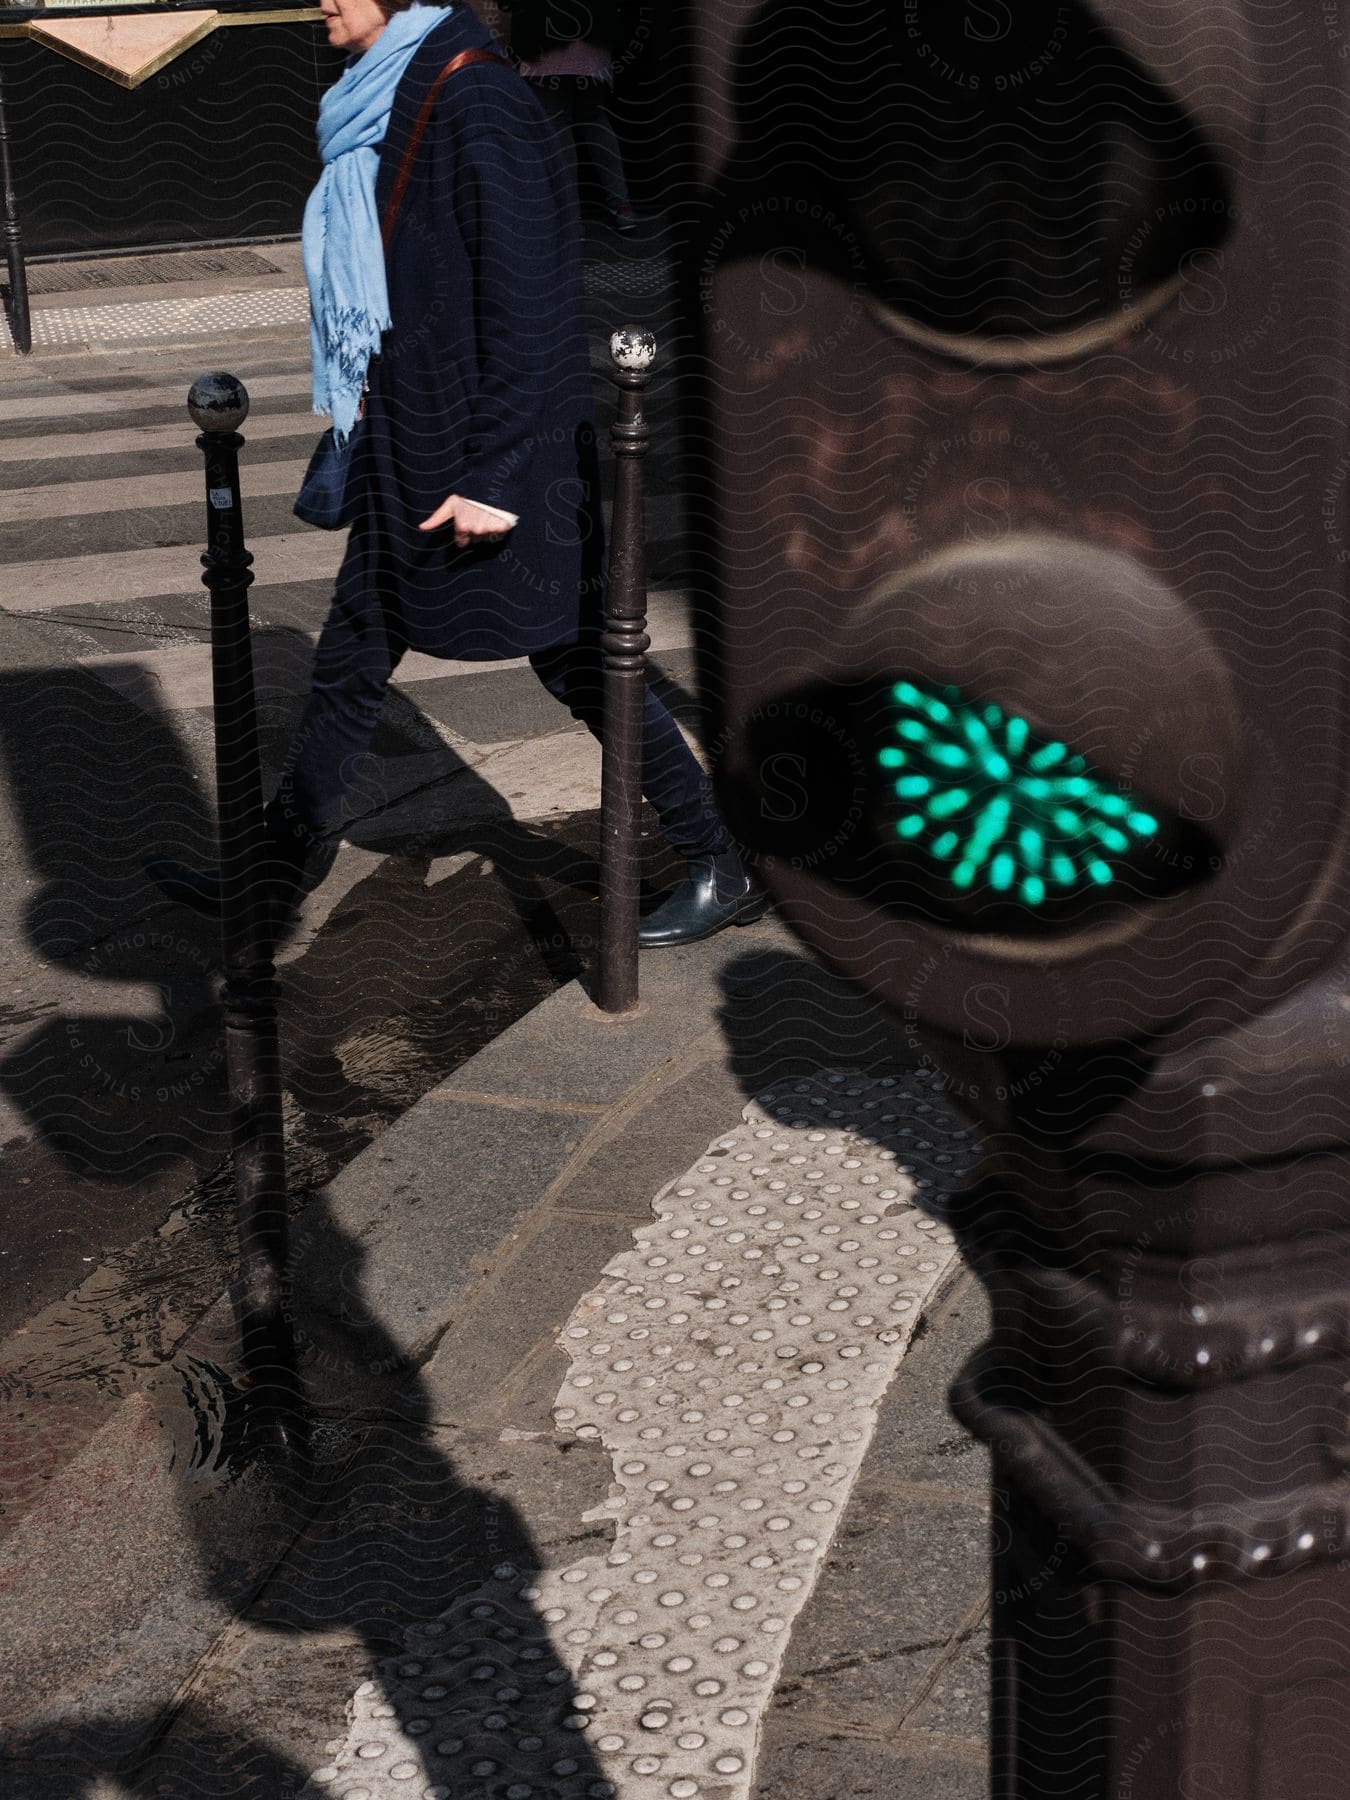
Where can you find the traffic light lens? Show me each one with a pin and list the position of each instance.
(997, 807)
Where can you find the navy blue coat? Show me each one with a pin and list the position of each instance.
(482, 386)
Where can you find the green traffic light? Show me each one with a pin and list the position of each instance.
(999, 808)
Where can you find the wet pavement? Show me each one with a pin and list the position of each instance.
(364, 1036)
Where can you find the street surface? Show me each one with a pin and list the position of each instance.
(631, 1483)
(463, 894)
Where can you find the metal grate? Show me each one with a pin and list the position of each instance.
(146, 271)
(635, 278)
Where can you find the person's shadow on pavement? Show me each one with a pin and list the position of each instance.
(324, 1579)
(99, 777)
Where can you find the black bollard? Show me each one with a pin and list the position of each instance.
(623, 646)
(19, 319)
(219, 405)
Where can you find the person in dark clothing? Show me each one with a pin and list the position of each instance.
(479, 535)
(567, 56)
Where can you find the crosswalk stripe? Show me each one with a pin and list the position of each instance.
(149, 437)
(278, 557)
(16, 408)
(127, 493)
(178, 678)
(40, 587)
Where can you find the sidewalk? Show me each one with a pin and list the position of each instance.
(620, 1499)
(165, 300)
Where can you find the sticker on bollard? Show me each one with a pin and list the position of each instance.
(220, 498)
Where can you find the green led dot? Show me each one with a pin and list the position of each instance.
(963, 875)
(1100, 872)
(1076, 788)
(1142, 823)
(1064, 870)
(1032, 846)
(950, 756)
(945, 845)
(907, 694)
(1047, 757)
(1015, 737)
(1003, 872)
(1035, 787)
(1115, 806)
(911, 826)
(1033, 890)
(993, 717)
(996, 767)
(976, 731)
(892, 759)
(977, 850)
(1111, 838)
(913, 731)
(992, 822)
(1069, 823)
(913, 787)
(947, 804)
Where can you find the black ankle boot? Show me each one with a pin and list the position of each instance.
(717, 892)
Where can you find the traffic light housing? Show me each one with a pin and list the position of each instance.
(1027, 348)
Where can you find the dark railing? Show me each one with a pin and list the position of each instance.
(623, 645)
(219, 405)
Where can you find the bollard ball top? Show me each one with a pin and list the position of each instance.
(218, 402)
(632, 348)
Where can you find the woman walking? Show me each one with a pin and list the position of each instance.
(460, 342)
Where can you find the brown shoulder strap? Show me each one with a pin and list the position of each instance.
(418, 131)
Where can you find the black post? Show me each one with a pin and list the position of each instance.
(20, 321)
(623, 645)
(219, 404)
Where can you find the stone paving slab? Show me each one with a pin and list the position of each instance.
(409, 1229)
(795, 1764)
(903, 1578)
(957, 1704)
(568, 1051)
(470, 1377)
(102, 1625)
(917, 1438)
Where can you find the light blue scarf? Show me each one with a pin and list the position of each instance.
(344, 259)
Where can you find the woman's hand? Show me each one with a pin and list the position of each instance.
(473, 524)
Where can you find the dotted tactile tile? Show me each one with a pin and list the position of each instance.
(184, 316)
(732, 1363)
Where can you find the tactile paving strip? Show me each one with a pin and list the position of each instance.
(732, 1362)
(184, 316)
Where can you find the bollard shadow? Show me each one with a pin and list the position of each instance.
(96, 780)
(389, 1562)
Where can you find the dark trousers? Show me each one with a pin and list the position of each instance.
(358, 652)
